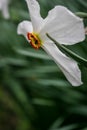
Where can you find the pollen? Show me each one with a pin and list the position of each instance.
(34, 40)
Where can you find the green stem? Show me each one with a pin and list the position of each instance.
(69, 52)
(81, 14)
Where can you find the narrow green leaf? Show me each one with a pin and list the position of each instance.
(57, 124)
(81, 14)
(35, 54)
(43, 102)
(49, 82)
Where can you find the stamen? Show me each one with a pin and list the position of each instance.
(34, 40)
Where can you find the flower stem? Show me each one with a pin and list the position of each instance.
(81, 14)
(79, 59)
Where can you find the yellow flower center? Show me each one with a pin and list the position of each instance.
(34, 40)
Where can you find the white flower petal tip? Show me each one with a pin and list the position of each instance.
(34, 5)
(68, 66)
(24, 27)
(77, 84)
(73, 74)
(34, 10)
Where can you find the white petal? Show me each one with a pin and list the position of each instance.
(24, 27)
(34, 10)
(63, 26)
(67, 65)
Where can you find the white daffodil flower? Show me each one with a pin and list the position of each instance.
(64, 27)
(4, 8)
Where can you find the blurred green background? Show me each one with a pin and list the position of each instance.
(34, 93)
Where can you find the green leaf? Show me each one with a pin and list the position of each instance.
(81, 14)
(51, 82)
(35, 54)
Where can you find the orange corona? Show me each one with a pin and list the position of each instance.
(34, 40)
